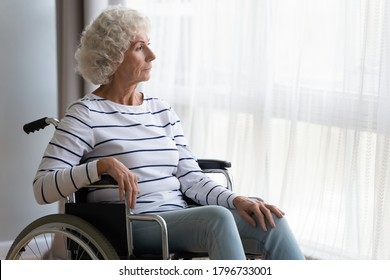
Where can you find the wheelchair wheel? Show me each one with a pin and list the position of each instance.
(61, 236)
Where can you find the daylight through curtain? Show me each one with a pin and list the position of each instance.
(296, 94)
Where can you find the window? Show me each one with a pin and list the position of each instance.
(295, 94)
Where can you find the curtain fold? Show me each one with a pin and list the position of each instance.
(295, 93)
(69, 18)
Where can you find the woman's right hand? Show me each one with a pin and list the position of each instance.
(127, 180)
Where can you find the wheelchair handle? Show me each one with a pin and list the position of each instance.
(39, 124)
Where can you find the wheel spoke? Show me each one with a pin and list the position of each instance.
(43, 239)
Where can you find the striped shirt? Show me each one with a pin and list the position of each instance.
(148, 139)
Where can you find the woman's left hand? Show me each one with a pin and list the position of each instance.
(248, 207)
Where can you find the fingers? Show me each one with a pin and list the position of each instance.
(133, 193)
(126, 180)
(267, 216)
(263, 213)
(279, 213)
(128, 189)
(248, 218)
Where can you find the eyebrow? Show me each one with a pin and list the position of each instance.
(142, 41)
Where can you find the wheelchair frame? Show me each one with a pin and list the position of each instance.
(84, 240)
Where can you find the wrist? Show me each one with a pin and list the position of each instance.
(238, 200)
(102, 166)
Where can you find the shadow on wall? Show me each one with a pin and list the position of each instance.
(28, 90)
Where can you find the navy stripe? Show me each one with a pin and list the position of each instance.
(161, 126)
(153, 212)
(185, 193)
(56, 183)
(42, 193)
(220, 195)
(152, 165)
(45, 170)
(62, 147)
(159, 112)
(151, 98)
(181, 145)
(80, 104)
(122, 113)
(176, 205)
(130, 152)
(71, 178)
(77, 119)
(74, 135)
(227, 201)
(208, 194)
(42, 170)
(86, 168)
(93, 99)
(196, 199)
(189, 172)
(116, 126)
(127, 113)
(102, 112)
(206, 183)
(59, 160)
(125, 139)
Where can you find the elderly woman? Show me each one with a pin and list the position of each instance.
(138, 140)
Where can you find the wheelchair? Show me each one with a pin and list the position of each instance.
(95, 231)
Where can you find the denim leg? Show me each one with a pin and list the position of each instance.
(209, 229)
(276, 243)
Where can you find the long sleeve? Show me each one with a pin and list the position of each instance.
(61, 171)
(194, 183)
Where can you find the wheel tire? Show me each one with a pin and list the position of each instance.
(75, 237)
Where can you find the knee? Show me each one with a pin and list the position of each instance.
(280, 223)
(218, 213)
(217, 216)
(281, 230)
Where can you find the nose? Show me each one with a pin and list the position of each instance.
(150, 56)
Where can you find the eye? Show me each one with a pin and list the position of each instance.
(139, 47)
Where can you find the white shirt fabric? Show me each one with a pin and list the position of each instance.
(148, 139)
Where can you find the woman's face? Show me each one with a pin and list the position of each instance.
(137, 62)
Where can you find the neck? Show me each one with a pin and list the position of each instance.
(126, 96)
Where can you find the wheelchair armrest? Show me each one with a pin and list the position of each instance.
(105, 180)
(203, 164)
(214, 164)
(217, 166)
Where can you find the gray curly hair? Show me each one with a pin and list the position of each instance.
(105, 40)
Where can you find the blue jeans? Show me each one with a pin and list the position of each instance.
(220, 232)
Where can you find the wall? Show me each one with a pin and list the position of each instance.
(28, 90)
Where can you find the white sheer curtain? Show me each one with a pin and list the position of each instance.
(296, 94)
(331, 100)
